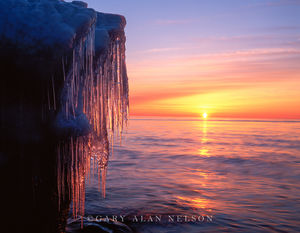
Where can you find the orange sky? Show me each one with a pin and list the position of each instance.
(227, 67)
(253, 83)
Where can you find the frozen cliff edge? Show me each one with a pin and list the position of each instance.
(63, 95)
(43, 43)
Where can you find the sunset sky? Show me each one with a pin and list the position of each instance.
(233, 58)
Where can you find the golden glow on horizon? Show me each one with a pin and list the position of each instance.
(204, 115)
(259, 83)
(254, 101)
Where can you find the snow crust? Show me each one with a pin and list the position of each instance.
(35, 26)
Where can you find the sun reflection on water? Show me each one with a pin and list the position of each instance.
(203, 150)
(195, 203)
(207, 167)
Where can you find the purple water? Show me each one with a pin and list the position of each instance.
(245, 174)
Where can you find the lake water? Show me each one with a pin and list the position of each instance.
(245, 174)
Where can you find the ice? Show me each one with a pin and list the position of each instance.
(68, 88)
(96, 86)
(36, 25)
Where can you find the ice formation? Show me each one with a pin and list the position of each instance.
(96, 87)
(74, 59)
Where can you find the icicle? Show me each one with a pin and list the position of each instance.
(99, 89)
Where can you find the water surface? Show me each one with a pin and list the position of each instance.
(246, 174)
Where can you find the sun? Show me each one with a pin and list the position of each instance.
(204, 115)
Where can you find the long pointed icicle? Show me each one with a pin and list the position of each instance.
(100, 92)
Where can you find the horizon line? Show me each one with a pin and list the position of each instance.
(200, 118)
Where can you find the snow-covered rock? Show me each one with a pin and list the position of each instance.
(63, 91)
(47, 27)
(42, 40)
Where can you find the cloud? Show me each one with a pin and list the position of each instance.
(283, 2)
(245, 41)
(173, 21)
(160, 50)
(283, 28)
(276, 3)
(188, 75)
(183, 91)
(153, 64)
(252, 52)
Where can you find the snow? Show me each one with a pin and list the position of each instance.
(80, 4)
(36, 25)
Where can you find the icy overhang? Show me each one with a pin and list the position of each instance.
(48, 29)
